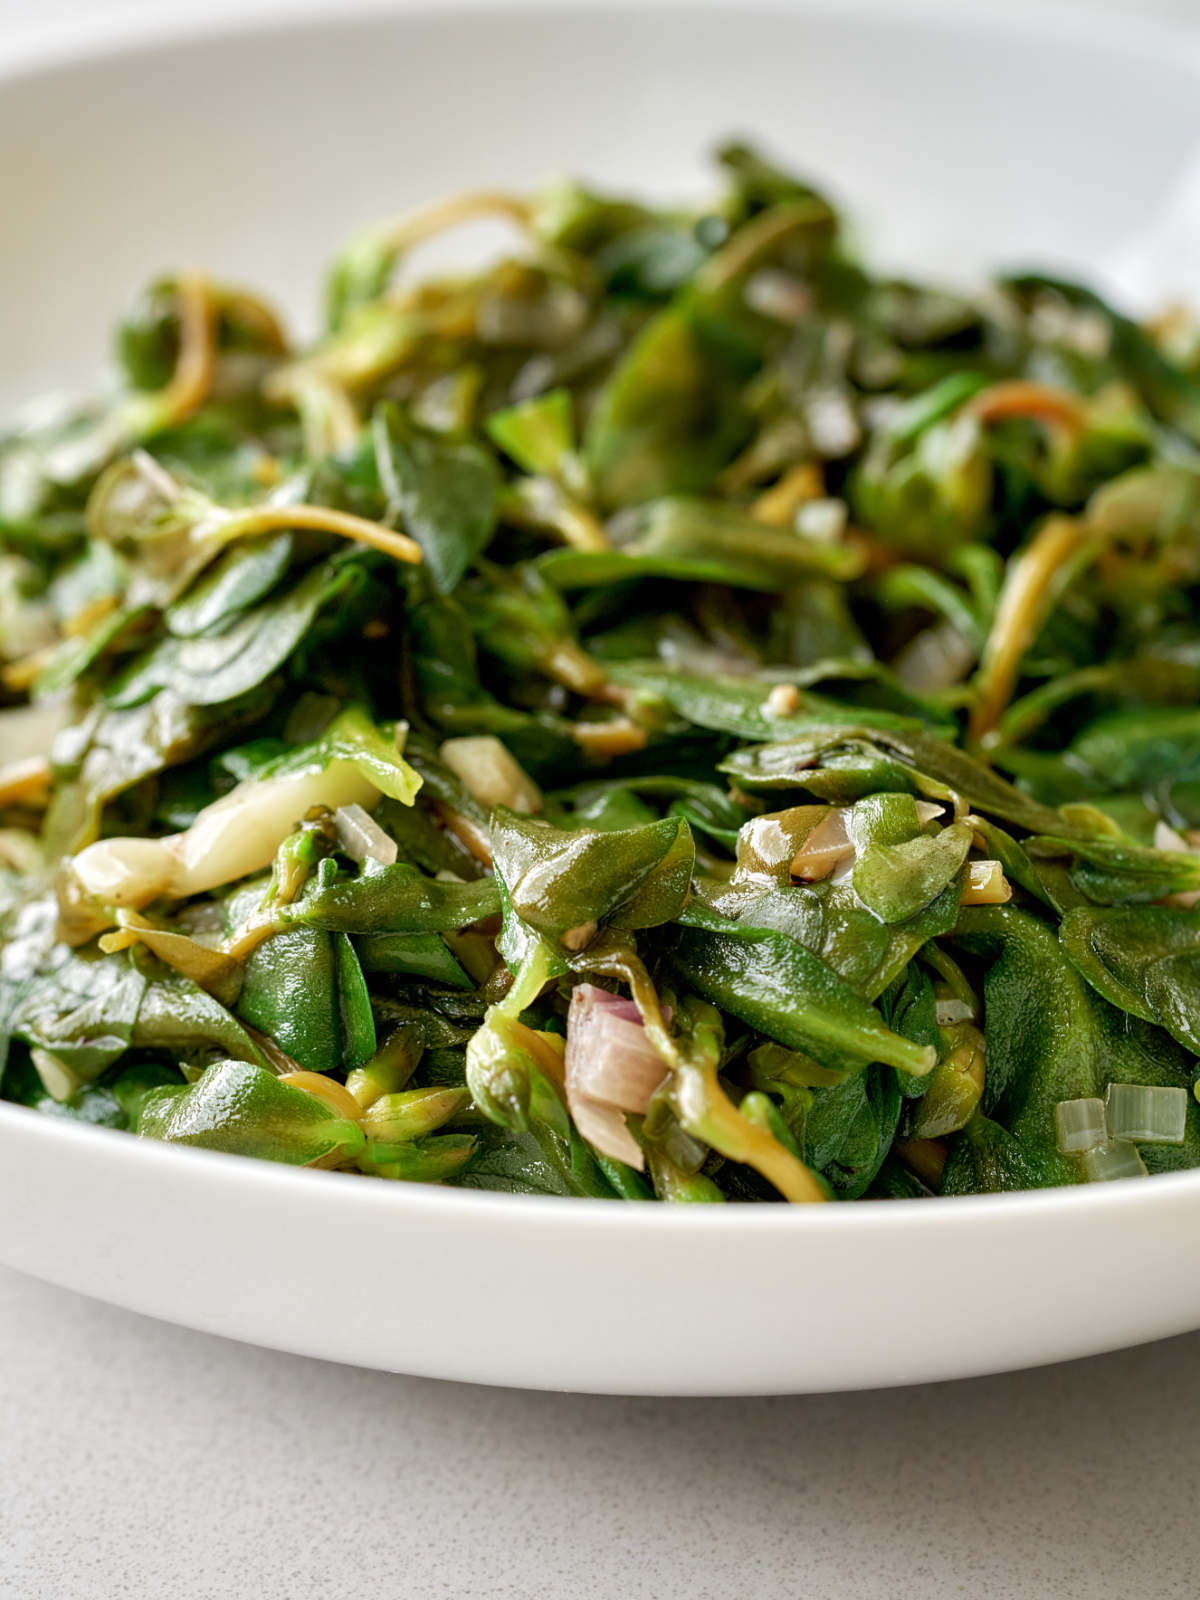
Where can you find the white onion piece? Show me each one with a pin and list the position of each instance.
(491, 773)
(1080, 1125)
(986, 884)
(953, 1010)
(59, 1082)
(824, 520)
(1166, 838)
(1120, 1159)
(611, 1068)
(361, 837)
(935, 658)
(829, 850)
(1151, 1114)
(828, 845)
(777, 294)
(235, 836)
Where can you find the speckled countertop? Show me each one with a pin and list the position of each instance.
(142, 1462)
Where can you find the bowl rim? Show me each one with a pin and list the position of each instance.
(94, 41)
(60, 1137)
(169, 30)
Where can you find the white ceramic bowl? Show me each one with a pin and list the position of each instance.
(959, 139)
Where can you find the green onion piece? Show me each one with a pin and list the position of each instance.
(1080, 1125)
(1117, 1159)
(1150, 1115)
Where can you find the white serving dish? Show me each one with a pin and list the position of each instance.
(959, 138)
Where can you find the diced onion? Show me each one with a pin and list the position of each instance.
(611, 1068)
(777, 294)
(952, 1010)
(783, 701)
(361, 837)
(59, 1082)
(936, 658)
(986, 885)
(1166, 838)
(826, 846)
(1080, 1125)
(823, 519)
(491, 773)
(1148, 1113)
(1118, 1159)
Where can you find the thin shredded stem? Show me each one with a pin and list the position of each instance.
(780, 503)
(320, 519)
(254, 312)
(426, 222)
(327, 1090)
(757, 238)
(191, 381)
(1029, 590)
(1039, 402)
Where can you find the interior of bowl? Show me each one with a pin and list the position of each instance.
(957, 140)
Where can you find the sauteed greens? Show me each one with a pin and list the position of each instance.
(666, 714)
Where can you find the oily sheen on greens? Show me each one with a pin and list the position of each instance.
(665, 714)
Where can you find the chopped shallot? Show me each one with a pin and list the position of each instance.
(611, 1068)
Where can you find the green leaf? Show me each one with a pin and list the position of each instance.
(354, 1006)
(1144, 959)
(853, 759)
(238, 578)
(987, 1159)
(1112, 871)
(177, 1016)
(850, 1128)
(781, 988)
(673, 413)
(443, 490)
(290, 994)
(244, 1110)
(352, 736)
(627, 877)
(741, 706)
(1051, 1037)
(395, 899)
(217, 667)
(415, 955)
(1140, 748)
(896, 881)
(83, 1011)
(538, 434)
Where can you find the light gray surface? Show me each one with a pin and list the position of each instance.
(139, 1460)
